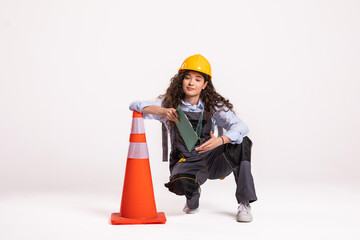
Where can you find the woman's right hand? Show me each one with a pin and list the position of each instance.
(170, 114)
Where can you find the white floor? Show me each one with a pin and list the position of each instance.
(306, 211)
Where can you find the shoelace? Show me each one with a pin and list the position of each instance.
(244, 207)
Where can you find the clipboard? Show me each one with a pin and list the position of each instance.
(186, 130)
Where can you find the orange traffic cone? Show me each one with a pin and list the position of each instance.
(138, 202)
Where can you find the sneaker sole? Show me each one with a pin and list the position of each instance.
(244, 219)
(191, 211)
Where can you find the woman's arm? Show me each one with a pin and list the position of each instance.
(140, 105)
(168, 113)
(212, 143)
(154, 110)
(236, 129)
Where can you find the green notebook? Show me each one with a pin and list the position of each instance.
(186, 130)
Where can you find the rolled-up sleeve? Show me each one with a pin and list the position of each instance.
(235, 128)
(139, 106)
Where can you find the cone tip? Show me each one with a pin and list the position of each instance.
(137, 114)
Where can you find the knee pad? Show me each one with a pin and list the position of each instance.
(183, 184)
(236, 153)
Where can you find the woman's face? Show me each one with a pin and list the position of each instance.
(193, 84)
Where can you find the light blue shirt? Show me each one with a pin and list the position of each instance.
(235, 128)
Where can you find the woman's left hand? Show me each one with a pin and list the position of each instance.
(212, 143)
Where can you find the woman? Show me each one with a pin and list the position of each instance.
(212, 157)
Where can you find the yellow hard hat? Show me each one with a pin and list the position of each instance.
(196, 63)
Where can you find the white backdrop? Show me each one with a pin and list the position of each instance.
(69, 70)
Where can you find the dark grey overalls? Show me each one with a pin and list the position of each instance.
(189, 170)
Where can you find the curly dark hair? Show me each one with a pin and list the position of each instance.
(211, 99)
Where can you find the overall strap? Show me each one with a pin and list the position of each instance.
(220, 131)
(164, 142)
(199, 126)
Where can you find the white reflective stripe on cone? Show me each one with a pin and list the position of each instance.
(138, 150)
(137, 125)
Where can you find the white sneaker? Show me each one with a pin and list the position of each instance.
(189, 210)
(244, 212)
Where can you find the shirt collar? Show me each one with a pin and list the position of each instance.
(199, 105)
